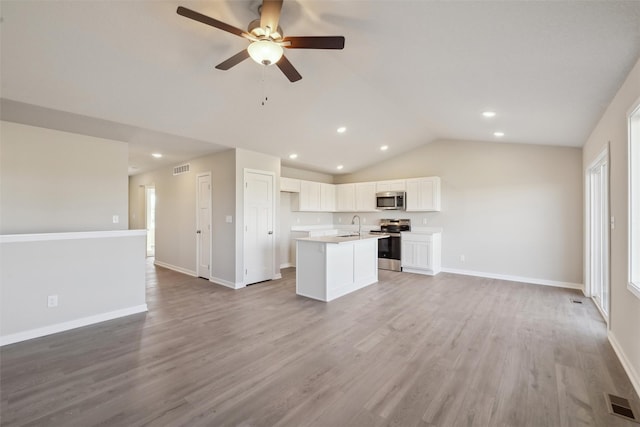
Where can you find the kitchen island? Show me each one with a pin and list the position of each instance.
(329, 267)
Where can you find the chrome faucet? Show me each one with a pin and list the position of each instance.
(353, 221)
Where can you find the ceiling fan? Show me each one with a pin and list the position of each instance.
(267, 39)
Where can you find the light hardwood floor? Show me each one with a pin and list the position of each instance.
(408, 351)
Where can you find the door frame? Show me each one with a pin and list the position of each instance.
(602, 157)
(273, 220)
(210, 231)
(148, 187)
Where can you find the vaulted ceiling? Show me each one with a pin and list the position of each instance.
(411, 72)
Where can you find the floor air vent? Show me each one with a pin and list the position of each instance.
(178, 170)
(620, 406)
(575, 300)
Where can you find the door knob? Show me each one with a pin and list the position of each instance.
(198, 231)
(271, 232)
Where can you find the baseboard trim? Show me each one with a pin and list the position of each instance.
(520, 279)
(72, 324)
(286, 265)
(226, 283)
(277, 276)
(176, 268)
(628, 367)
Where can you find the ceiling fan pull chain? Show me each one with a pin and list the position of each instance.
(265, 98)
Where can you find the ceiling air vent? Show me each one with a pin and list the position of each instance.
(179, 170)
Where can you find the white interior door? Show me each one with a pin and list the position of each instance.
(259, 238)
(203, 226)
(599, 233)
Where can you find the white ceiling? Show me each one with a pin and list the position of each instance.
(411, 72)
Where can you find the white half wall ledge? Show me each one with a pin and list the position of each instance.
(624, 360)
(176, 268)
(520, 279)
(73, 324)
(74, 235)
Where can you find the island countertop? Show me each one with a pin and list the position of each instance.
(347, 238)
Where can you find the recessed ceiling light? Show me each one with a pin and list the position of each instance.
(384, 148)
(157, 155)
(293, 156)
(339, 167)
(489, 114)
(498, 134)
(342, 129)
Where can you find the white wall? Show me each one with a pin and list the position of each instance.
(53, 181)
(510, 209)
(97, 276)
(296, 173)
(63, 184)
(176, 213)
(625, 307)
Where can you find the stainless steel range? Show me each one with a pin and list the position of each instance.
(389, 250)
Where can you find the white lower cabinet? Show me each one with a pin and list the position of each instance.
(421, 253)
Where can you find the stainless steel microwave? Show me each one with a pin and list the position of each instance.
(391, 200)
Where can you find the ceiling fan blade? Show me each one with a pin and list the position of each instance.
(192, 14)
(315, 42)
(234, 60)
(270, 14)
(288, 69)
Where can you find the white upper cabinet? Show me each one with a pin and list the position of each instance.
(309, 199)
(315, 197)
(423, 194)
(346, 197)
(386, 186)
(290, 185)
(327, 197)
(366, 197)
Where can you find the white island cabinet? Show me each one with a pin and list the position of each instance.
(328, 267)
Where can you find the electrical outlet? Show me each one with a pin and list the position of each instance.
(364, 220)
(462, 258)
(340, 219)
(228, 219)
(424, 221)
(52, 301)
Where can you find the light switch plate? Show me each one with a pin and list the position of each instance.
(229, 219)
(116, 219)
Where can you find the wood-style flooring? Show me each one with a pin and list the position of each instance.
(410, 350)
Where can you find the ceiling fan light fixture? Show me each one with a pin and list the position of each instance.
(265, 52)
